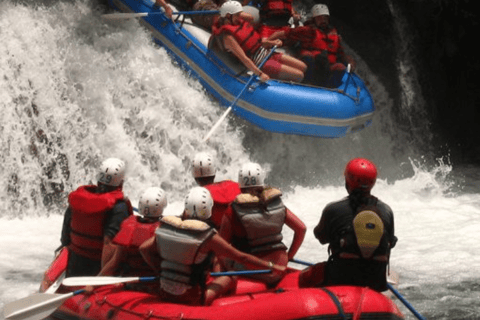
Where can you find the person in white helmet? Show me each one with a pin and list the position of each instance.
(235, 35)
(223, 192)
(135, 230)
(257, 219)
(93, 218)
(320, 47)
(183, 249)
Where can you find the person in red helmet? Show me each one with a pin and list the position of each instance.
(360, 232)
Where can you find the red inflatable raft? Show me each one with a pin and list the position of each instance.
(251, 301)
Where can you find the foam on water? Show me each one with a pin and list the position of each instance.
(75, 89)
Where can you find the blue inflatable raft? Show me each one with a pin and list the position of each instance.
(277, 106)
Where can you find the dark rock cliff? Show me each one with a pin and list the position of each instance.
(447, 57)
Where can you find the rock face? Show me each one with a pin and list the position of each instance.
(447, 56)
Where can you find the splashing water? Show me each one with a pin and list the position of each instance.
(76, 89)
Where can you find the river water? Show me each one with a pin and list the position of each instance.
(75, 89)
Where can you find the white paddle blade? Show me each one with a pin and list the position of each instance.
(219, 122)
(34, 307)
(53, 288)
(96, 281)
(121, 15)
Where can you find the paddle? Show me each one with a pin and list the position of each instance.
(103, 281)
(405, 302)
(123, 15)
(37, 306)
(389, 286)
(216, 125)
(239, 272)
(53, 288)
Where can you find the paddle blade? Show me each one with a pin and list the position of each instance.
(96, 281)
(35, 307)
(217, 124)
(53, 288)
(121, 15)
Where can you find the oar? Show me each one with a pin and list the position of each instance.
(103, 281)
(405, 302)
(56, 284)
(311, 264)
(389, 286)
(225, 114)
(123, 15)
(239, 272)
(37, 306)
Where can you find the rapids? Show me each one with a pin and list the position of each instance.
(75, 89)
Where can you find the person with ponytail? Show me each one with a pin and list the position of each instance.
(360, 233)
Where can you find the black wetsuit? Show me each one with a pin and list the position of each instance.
(336, 224)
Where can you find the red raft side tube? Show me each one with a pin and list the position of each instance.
(251, 302)
(341, 302)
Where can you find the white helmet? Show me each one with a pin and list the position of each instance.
(198, 204)
(203, 166)
(111, 172)
(152, 202)
(251, 175)
(320, 10)
(230, 7)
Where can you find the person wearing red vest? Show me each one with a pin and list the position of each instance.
(93, 218)
(239, 37)
(320, 48)
(256, 222)
(275, 15)
(360, 232)
(223, 192)
(135, 230)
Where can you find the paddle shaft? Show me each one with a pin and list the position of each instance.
(103, 281)
(128, 15)
(239, 272)
(405, 302)
(216, 125)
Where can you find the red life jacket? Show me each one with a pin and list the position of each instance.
(133, 232)
(330, 42)
(276, 8)
(88, 216)
(223, 194)
(247, 37)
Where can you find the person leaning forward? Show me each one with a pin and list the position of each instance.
(360, 232)
(183, 249)
(134, 231)
(93, 218)
(256, 222)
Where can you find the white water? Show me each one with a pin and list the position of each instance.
(75, 89)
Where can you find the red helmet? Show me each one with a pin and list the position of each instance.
(361, 174)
